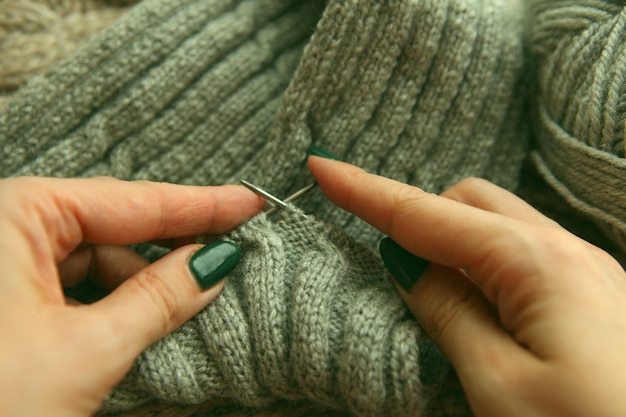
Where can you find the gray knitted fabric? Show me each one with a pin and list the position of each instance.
(579, 48)
(308, 314)
(210, 91)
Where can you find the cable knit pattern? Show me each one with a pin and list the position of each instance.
(307, 314)
(580, 111)
(424, 91)
(206, 91)
(211, 91)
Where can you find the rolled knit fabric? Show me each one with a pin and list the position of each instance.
(210, 91)
(308, 314)
(579, 48)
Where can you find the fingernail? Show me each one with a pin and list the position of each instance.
(317, 151)
(403, 265)
(213, 262)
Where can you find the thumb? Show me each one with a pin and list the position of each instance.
(162, 296)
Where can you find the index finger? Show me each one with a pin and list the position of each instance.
(110, 211)
(432, 227)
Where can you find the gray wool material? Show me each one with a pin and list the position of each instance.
(424, 91)
(579, 49)
(211, 91)
(308, 314)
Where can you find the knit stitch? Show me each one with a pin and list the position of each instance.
(36, 34)
(307, 314)
(211, 91)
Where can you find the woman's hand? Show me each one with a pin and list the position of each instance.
(61, 358)
(532, 318)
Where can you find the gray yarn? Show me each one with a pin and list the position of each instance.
(307, 314)
(579, 49)
(207, 92)
(210, 91)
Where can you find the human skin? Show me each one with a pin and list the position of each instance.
(60, 358)
(532, 318)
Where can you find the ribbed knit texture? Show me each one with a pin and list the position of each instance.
(307, 314)
(205, 92)
(579, 48)
(210, 91)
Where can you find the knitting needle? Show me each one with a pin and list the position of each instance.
(274, 200)
(293, 197)
(278, 203)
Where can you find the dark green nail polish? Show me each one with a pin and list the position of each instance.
(317, 151)
(213, 262)
(403, 265)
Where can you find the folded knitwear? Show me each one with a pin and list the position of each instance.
(210, 91)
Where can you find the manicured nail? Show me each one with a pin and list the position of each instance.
(317, 151)
(403, 265)
(213, 262)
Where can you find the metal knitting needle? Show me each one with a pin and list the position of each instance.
(293, 197)
(274, 200)
(278, 203)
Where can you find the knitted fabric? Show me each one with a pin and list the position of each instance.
(307, 314)
(196, 92)
(579, 49)
(210, 91)
(36, 34)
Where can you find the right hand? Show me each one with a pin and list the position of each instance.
(532, 318)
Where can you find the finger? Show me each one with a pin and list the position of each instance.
(111, 211)
(454, 313)
(107, 266)
(155, 301)
(432, 227)
(48, 218)
(487, 196)
(460, 320)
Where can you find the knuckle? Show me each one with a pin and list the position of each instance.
(501, 375)
(405, 203)
(355, 179)
(558, 244)
(446, 314)
(467, 190)
(162, 296)
(156, 195)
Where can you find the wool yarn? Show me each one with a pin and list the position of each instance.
(579, 53)
(36, 34)
(211, 91)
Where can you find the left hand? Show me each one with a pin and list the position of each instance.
(61, 358)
